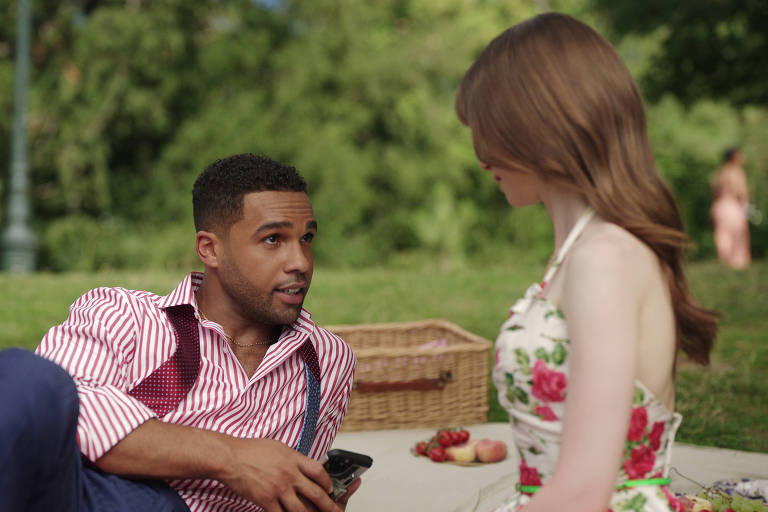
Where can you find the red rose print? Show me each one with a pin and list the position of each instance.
(545, 413)
(548, 385)
(640, 463)
(496, 357)
(528, 475)
(637, 424)
(655, 435)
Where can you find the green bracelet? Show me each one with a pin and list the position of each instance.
(645, 481)
(531, 489)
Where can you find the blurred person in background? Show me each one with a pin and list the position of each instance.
(730, 207)
(220, 396)
(585, 364)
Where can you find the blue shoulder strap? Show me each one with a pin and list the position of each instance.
(312, 371)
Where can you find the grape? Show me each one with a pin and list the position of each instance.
(721, 501)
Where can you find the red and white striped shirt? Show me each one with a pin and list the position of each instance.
(114, 338)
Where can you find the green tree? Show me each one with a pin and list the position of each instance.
(131, 99)
(360, 99)
(710, 48)
(112, 82)
(700, 65)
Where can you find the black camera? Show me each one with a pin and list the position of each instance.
(345, 467)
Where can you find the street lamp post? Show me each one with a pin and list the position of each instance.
(17, 239)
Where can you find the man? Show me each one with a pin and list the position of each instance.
(220, 418)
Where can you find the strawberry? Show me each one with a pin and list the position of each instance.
(444, 438)
(437, 454)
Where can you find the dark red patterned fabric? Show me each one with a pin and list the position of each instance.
(169, 384)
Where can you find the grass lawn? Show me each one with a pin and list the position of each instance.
(724, 405)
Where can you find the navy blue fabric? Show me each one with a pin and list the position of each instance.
(312, 371)
(111, 493)
(41, 468)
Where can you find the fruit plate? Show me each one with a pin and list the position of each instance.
(469, 464)
(456, 463)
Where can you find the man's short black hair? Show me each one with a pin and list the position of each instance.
(217, 196)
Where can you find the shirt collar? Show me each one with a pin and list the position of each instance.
(184, 293)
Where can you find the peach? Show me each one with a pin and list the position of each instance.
(695, 504)
(489, 450)
(701, 505)
(464, 452)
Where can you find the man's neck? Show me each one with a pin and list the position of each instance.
(216, 305)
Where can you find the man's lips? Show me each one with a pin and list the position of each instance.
(497, 178)
(292, 293)
(291, 286)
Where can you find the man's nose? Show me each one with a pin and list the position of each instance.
(299, 258)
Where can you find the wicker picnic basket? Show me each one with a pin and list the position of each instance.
(421, 374)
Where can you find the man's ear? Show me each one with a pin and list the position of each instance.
(209, 248)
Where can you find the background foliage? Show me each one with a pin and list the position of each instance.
(131, 99)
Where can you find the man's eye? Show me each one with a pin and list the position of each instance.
(308, 237)
(272, 239)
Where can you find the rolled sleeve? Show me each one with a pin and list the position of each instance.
(94, 344)
(107, 415)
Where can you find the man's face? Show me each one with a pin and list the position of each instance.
(266, 263)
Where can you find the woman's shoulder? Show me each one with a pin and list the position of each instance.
(608, 251)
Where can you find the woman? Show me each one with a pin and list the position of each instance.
(585, 364)
(729, 211)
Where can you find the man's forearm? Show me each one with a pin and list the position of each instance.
(163, 450)
(264, 471)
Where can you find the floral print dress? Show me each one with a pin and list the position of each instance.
(531, 375)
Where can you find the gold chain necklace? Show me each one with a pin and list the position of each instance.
(231, 340)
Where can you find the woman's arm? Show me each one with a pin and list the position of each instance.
(602, 292)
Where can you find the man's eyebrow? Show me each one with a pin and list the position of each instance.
(312, 224)
(274, 225)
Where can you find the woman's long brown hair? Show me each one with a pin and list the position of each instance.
(552, 96)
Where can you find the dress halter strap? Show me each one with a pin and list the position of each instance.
(569, 240)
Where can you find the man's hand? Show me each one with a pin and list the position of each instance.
(278, 478)
(354, 486)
